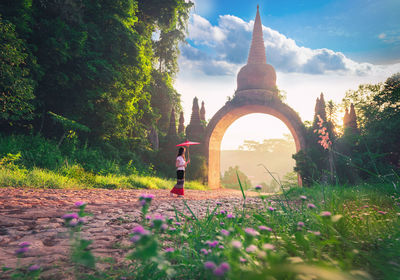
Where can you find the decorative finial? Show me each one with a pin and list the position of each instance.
(257, 7)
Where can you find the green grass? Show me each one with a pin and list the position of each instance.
(76, 178)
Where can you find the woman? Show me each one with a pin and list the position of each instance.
(180, 172)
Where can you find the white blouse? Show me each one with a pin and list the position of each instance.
(180, 163)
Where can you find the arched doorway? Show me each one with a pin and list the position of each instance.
(254, 101)
(256, 93)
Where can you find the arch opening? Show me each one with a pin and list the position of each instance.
(254, 140)
(229, 114)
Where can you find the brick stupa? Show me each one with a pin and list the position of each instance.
(257, 74)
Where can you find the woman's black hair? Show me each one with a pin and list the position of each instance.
(180, 152)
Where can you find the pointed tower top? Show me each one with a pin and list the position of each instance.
(202, 112)
(257, 74)
(257, 49)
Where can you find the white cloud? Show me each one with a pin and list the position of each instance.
(228, 44)
(202, 32)
(208, 70)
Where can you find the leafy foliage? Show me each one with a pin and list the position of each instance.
(16, 83)
(230, 179)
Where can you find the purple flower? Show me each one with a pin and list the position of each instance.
(326, 214)
(164, 226)
(303, 197)
(159, 218)
(225, 266)
(251, 249)
(242, 260)
(172, 229)
(221, 223)
(34, 267)
(70, 216)
(258, 187)
(169, 250)
(204, 251)
(300, 224)
(140, 230)
(145, 199)
(212, 244)
(219, 203)
(135, 238)
(73, 223)
(146, 196)
(251, 232)
(80, 203)
(311, 206)
(142, 202)
(210, 265)
(264, 228)
(382, 212)
(272, 209)
(24, 244)
(222, 212)
(224, 232)
(221, 247)
(21, 251)
(219, 272)
(230, 216)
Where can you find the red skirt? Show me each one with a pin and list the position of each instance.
(179, 191)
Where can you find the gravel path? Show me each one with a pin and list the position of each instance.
(34, 215)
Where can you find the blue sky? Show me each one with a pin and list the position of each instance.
(352, 27)
(315, 46)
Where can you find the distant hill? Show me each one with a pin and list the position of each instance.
(275, 154)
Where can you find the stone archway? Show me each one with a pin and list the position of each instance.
(256, 93)
(248, 102)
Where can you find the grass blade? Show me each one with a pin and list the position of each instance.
(187, 206)
(240, 185)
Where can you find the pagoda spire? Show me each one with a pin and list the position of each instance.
(172, 124)
(181, 128)
(202, 112)
(257, 49)
(257, 74)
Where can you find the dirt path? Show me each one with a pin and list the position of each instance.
(34, 215)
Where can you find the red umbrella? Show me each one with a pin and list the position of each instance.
(187, 144)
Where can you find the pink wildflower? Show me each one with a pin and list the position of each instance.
(210, 265)
(251, 232)
(79, 203)
(311, 206)
(264, 228)
(268, 246)
(224, 232)
(70, 216)
(251, 249)
(236, 244)
(326, 214)
(34, 267)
